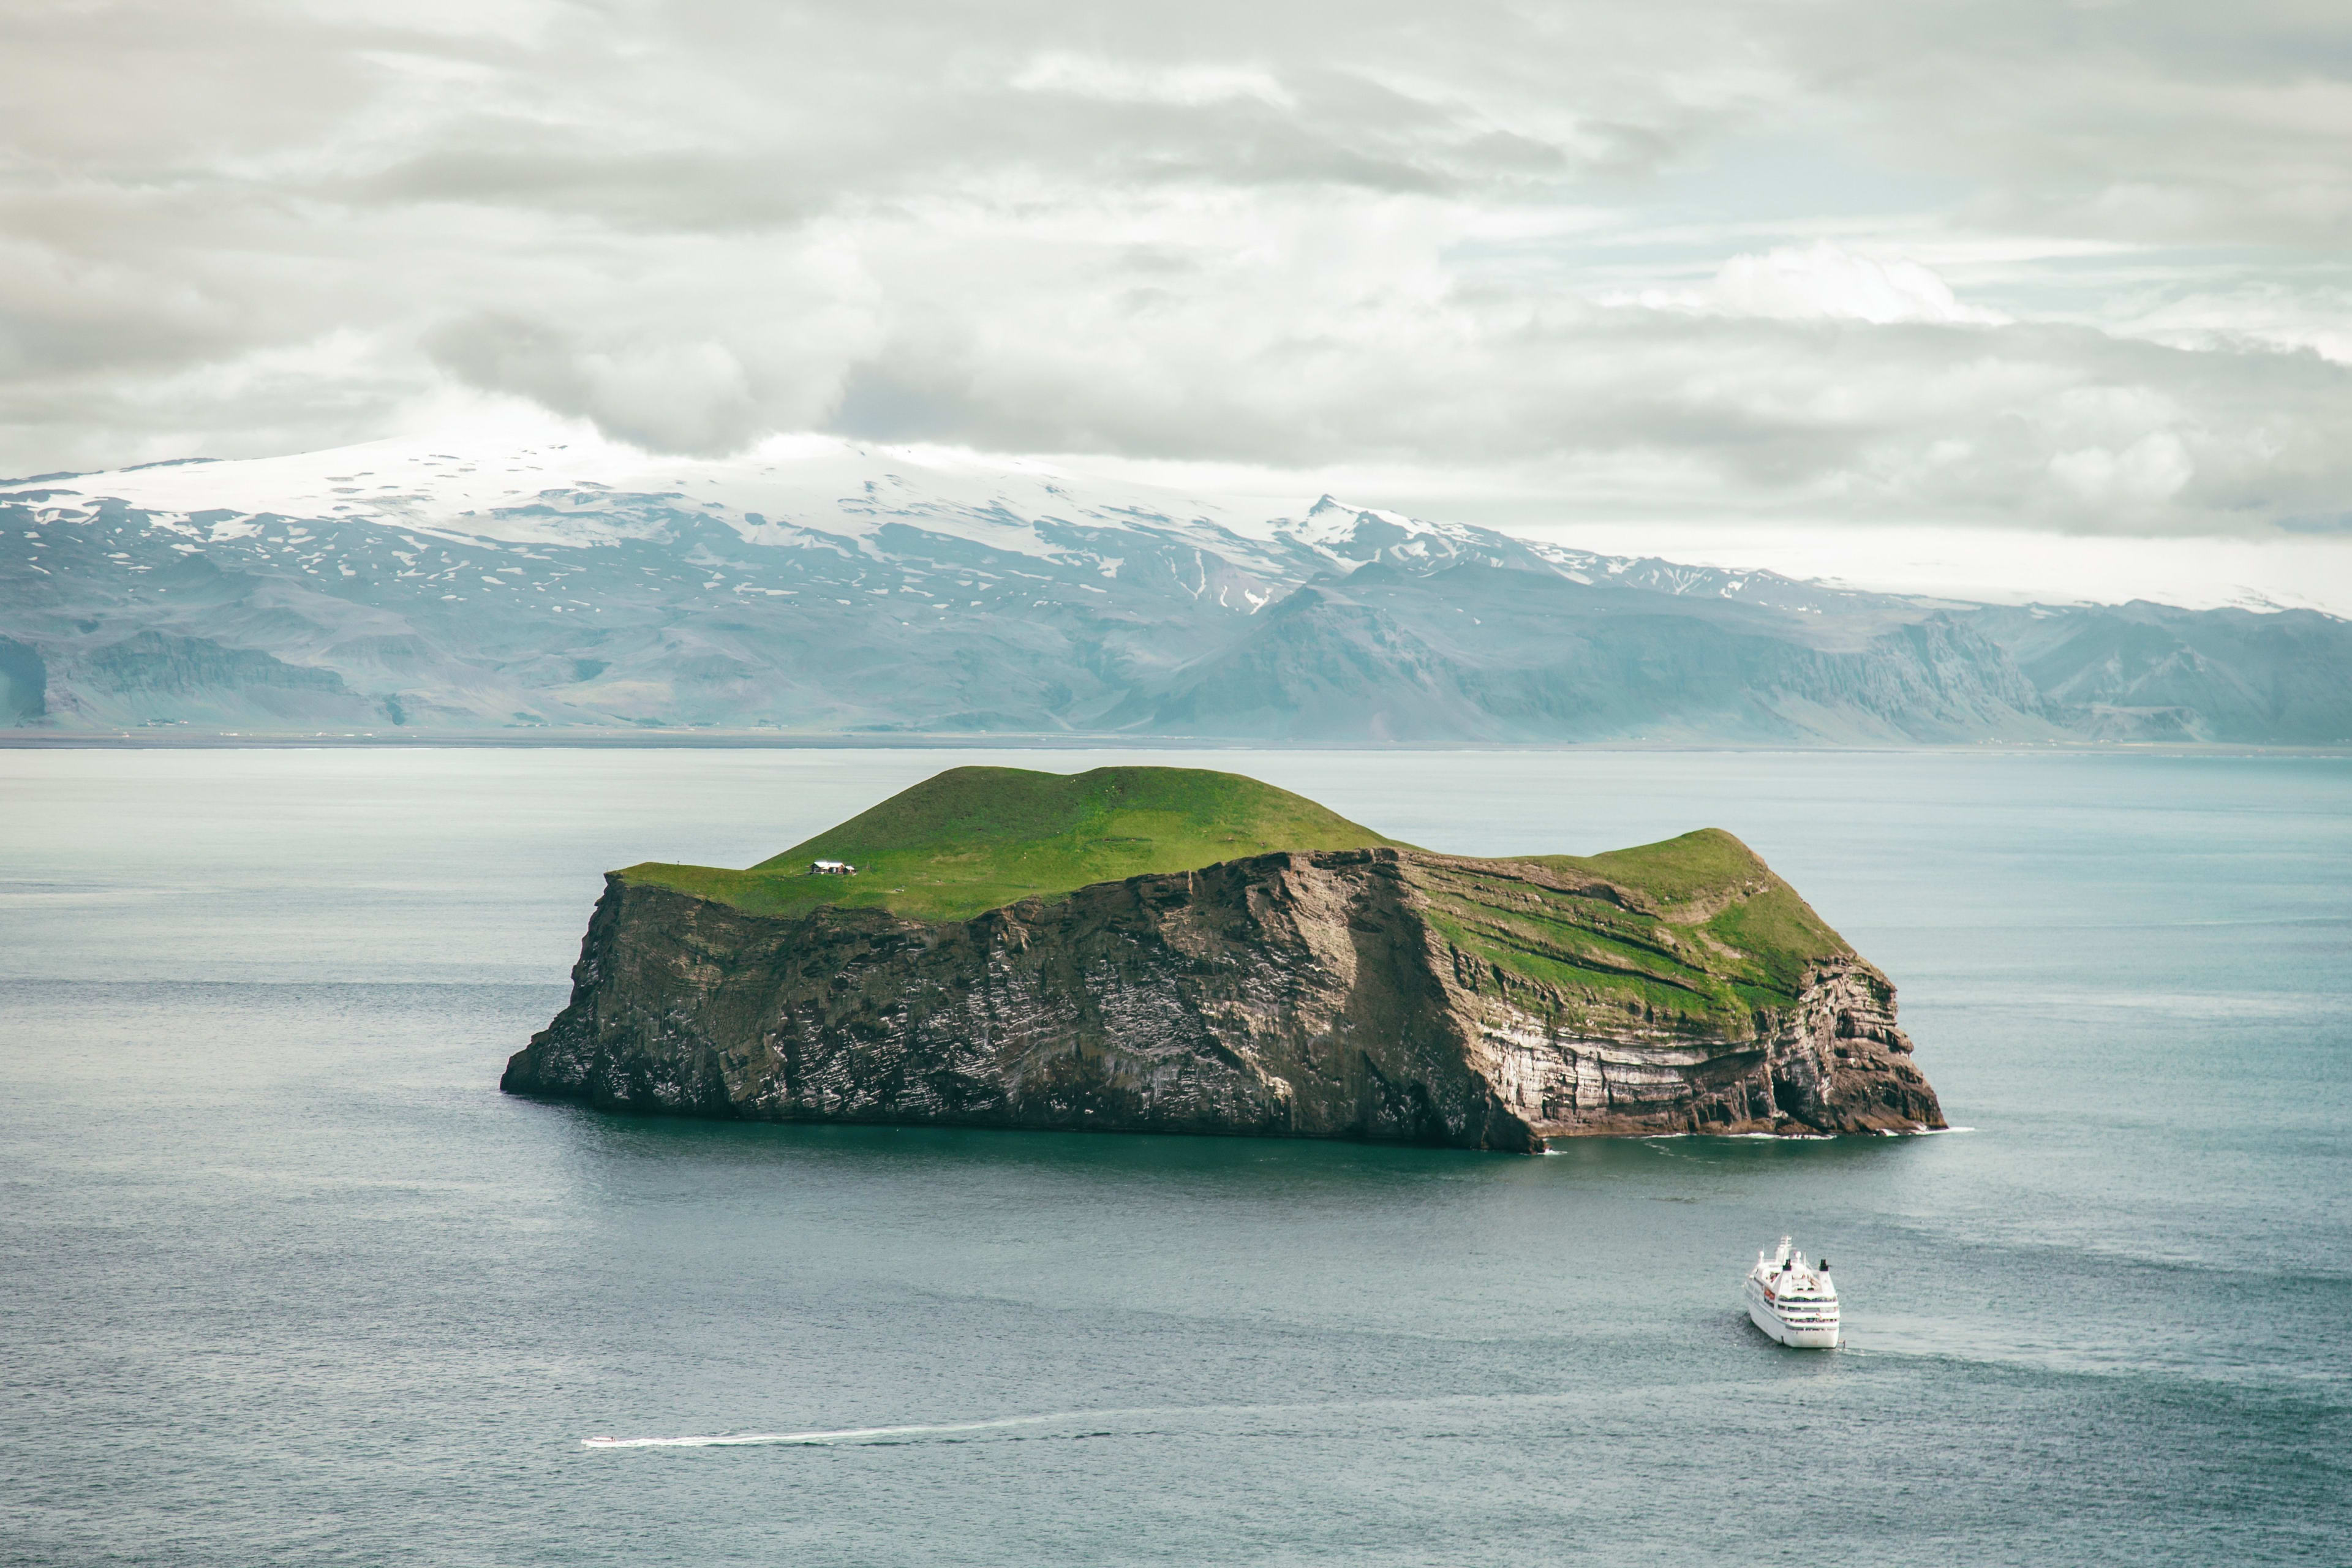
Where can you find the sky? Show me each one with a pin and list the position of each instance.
(2015, 273)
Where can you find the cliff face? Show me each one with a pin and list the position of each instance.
(1331, 994)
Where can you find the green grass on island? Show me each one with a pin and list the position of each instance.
(975, 839)
(1693, 933)
(1695, 929)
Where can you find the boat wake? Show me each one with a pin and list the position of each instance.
(1070, 1425)
(846, 1433)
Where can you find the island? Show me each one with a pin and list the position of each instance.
(1175, 949)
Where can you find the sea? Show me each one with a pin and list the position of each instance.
(285, 1279)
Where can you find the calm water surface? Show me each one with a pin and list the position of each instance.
(284, 1280)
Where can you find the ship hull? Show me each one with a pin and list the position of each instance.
(1812, 1337)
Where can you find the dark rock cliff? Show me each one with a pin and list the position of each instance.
(1299, 995)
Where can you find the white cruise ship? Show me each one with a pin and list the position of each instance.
(1794, 1304)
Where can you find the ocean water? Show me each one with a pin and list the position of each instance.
(284, 1280)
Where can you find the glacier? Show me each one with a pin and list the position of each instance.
(819, 586)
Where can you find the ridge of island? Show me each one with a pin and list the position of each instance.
(1174, 950)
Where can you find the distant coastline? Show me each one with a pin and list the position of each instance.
(173, 738)
(846, 593)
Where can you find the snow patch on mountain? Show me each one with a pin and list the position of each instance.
(582, 492)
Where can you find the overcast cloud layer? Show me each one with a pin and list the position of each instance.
(2047, 266)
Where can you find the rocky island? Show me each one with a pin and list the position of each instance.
(1171, 950)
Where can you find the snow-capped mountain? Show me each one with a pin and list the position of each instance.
(817, 586)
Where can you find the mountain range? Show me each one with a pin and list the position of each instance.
(822, 587)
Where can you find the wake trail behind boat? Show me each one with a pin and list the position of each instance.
(846, 1435)
(1083, 1423)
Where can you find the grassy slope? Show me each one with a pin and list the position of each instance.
(972, 839)
(1700, 933)
(1703, 931)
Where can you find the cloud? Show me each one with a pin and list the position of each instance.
(665, 395)
(1635, 410)
(2075, 269)
(2152, 468)
(1114, 81)
(1822, 281)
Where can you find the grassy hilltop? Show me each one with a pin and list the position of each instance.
(1696, 929)
(975, 839)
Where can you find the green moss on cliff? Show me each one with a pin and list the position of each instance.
(973, 839)
(1690, 934)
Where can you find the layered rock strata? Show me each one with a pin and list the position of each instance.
(1343, 993)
